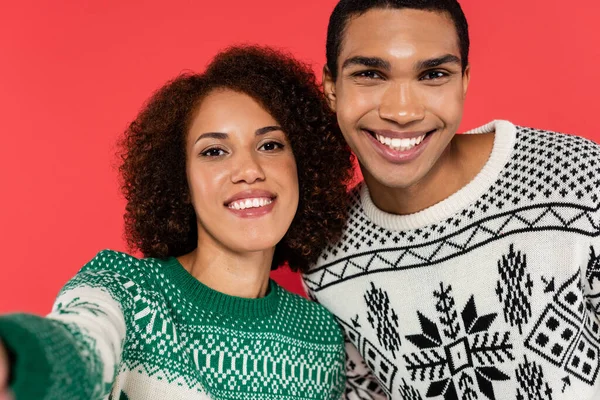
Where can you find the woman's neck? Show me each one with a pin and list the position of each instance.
(240, 275)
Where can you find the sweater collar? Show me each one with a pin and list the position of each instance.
(504, 142)
(209, 299)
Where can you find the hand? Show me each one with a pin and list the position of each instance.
(4, 371)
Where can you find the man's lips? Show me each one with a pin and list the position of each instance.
(399, 140)
(398, 134)
(399, 150)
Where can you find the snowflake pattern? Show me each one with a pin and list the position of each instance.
(75, 306)
(464, 361)
(532, 383)
(383, 318)
(514, 288)
(593, 268)
(408, 392)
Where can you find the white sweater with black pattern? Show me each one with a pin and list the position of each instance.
(493, 293)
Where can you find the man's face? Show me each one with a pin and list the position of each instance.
(399, 93)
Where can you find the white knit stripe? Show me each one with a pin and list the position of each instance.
(504, 141)
(97, 314)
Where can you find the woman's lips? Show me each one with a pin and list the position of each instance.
(251, 203)
(264, 206)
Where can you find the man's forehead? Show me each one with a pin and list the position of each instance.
(399, 33)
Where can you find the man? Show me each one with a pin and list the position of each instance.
(470, 264)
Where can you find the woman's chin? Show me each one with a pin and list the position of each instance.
(256, 244)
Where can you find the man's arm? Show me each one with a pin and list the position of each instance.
(360, 382)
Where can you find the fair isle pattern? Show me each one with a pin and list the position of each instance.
(495, 297)
(550, 182)
(184, 349)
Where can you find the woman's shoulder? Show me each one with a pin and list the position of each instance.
(117, 261)
(123, 267)
(312, 316)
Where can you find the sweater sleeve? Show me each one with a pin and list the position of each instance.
(75, 351)
(360, 382)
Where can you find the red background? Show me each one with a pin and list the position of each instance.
(74, 73)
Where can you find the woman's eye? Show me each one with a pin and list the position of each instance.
(432, 75)
(213, 152)
(270, 146)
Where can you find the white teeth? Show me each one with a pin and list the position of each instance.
(250, 203)
(400, 144)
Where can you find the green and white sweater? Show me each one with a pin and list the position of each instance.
(125, 328)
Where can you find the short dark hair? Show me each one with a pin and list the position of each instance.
(160, 220)
(347, 9)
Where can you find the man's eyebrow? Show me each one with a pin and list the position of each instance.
(267, 129)
(371, 62)
(436, 62)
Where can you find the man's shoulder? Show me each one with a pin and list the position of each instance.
(565, 145)
(555, 166)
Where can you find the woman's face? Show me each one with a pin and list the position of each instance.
(241, 172)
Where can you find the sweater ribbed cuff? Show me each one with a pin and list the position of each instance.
(30, 370)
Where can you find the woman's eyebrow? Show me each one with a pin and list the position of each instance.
(267, 129)
(212, 135)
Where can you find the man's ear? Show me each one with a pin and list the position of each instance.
(466, 79)
(329, 88)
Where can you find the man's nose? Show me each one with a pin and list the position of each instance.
(401, 104)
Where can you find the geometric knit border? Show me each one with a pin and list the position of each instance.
(542, 217)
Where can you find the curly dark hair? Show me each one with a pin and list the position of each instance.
(159, 218)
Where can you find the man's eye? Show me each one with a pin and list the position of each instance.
(213, 152)
(368, 74)
(270, 146)
(432, 75)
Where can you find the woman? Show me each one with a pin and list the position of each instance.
(227, 175)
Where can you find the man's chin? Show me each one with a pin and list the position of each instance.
(390, 177)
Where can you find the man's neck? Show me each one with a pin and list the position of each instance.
(463, 159)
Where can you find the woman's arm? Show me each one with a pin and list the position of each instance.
(74, 352)
(4, 370)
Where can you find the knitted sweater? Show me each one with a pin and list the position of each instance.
(125, 328)
(493, 293)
